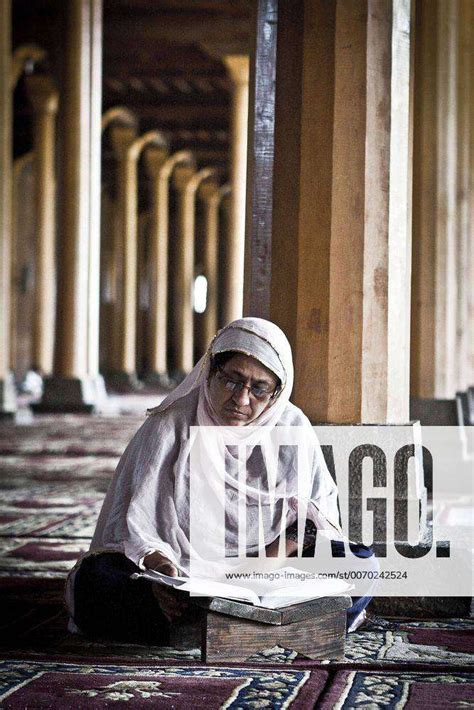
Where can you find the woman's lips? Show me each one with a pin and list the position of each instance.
(234, 413)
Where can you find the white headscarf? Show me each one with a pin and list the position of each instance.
(255, 337)
(147, 505)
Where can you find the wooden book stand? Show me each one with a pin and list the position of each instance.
(232, 631)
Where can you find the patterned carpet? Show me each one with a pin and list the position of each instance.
(92, 685)
(53, 477)
(411, 691)
(105, 437)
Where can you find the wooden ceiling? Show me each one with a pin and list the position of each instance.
(161, 58)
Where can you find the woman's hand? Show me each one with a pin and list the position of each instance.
(171, 603)
(159, 563)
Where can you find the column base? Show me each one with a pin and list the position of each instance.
(32, 383)
(160, 380)
(465, 407)
(8, 404)
(61, 395)
(123, 382)
(434, 412)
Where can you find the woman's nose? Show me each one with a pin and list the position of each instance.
(241, 396)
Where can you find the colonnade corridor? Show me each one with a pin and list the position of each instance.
(166, 167)
(136, 222)
(126, 218)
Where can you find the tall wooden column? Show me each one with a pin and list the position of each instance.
(124, 375)
(211, 194)
(160, 168)
(446, 207)
(95, 181)
(44, 98)
(122, 125)
(238, 68)
(465, 198)
(468, 97)
(22, 265)
(224, 227)
(261, 149)
(74, 384)
(442, 313)
(340, 250)
(186, 182)
(7, 387)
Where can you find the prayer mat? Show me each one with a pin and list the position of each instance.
(46, 509)
(68, 445)
(61, 513)
(448, 642)
(37, 557)
(24, 494)
(35, 622)
(398, 691)
(75, 521)
(37, 684)
(17, 471)
(70, 436)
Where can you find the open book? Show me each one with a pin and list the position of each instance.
(281, 590)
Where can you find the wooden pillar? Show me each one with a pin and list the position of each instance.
(340, 248)
(160, 168)
(44, 98)
(470, 249)
(261, 138)
(465, 197)
(74, 385)
(22, 266)
(124, 374)
(7, 388)
(186, 182)
(442, 233)
(95, 181)
(211, 194)
(445, 209)
(238, 68)
(424, 204)
(122, 125)
(224, 227)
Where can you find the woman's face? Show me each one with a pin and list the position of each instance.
(242, 405)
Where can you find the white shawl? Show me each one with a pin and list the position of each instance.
(147, 506)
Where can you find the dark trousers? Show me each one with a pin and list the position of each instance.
(360, 603)
(108, 602)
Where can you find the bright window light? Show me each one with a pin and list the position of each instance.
(200, 294)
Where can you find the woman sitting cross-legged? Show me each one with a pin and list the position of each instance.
(245, 378)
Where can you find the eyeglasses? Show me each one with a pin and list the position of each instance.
(236, 386)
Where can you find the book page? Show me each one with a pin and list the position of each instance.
(304, 591)
(279, 590)
(201, 587)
